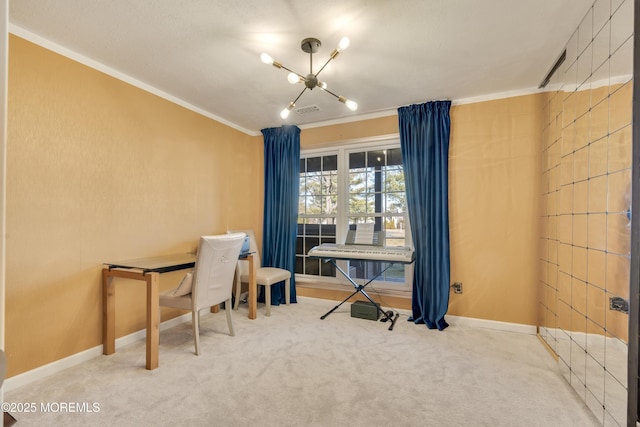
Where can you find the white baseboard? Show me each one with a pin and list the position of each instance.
(78, 358)
(471, 321)
(491, 324)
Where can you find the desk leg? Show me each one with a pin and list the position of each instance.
(108, 313)
(153, 319)
(253, 288)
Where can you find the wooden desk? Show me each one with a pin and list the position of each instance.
(148, 270)
(253, 288)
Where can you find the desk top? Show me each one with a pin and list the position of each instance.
(161, 264)
(157, 264)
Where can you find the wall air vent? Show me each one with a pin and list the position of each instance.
(553, 69)
(307, 110)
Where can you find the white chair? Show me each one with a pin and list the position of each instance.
(265, 276)
(211, 281)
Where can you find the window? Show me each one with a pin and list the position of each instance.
(342, 187)
(317, 212)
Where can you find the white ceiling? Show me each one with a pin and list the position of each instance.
(204, 54)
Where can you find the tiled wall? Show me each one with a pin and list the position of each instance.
(586, 191)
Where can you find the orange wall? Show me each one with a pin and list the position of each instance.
(494, 164)
(99, 170)
(327, 136)
(494, 176)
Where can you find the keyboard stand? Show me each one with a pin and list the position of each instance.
(360, 289)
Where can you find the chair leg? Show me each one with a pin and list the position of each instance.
(267, 299)
(238, 290)
(195, 320)
(227, 309)
(287, 291)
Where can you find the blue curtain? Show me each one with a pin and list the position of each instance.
(281, 189)
(424, 142)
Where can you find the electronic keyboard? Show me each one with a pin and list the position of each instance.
(402, 255)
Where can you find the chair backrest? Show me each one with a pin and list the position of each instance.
(253, 247)
(214, 269)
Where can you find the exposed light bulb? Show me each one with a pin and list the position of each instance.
(322, 85)
(351, 105)
(293, 78)
(285, 113)
(265, 58)
(344, 43)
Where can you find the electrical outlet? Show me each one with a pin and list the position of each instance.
(457, 287)
(619, 304)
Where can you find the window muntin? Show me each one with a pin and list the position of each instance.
(377, 194)
(341, 188)
(317, 212)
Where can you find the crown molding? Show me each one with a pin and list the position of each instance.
(48, 44)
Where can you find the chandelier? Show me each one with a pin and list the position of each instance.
(311, 46)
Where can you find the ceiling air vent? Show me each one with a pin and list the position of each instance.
(307, 110)
(555, 67)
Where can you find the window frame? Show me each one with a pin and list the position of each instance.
(343, 216)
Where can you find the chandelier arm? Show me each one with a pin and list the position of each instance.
(329, 92)
(353, 106)
(291, 71)
(296, 100)
(325, 64)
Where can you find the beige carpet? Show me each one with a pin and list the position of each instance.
(293, 369)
